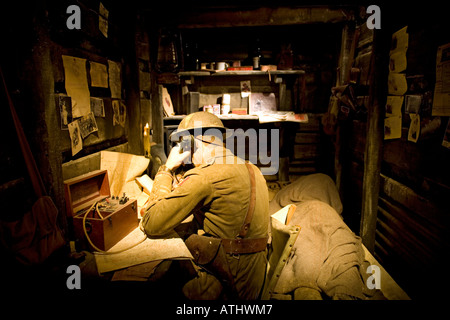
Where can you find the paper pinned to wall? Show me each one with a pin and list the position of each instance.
(397, 84)
(98, 107)
(87, 125)
(400, 41)
(99, 75)
(393, 127)
(397, 62)
(115, 83)
(414, 127)
(394, 105)
(75, 137)
(441, 99)
(119, 113)
(75, 78)
(103, 20)
(65, 110)
(122, 168)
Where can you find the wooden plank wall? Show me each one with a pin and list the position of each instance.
(353, 133)
(37, 40)
(307, 148)
(413, 221)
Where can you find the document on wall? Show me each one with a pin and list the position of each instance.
(99, 75)
(397, 84)
(115, 83)
(77, 85)
(103, 20)
(393, 127)
(394, 105)
(119, 112)
(441, 99)
(98, 107)
(399, 41)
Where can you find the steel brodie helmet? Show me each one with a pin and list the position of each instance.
(197, 120)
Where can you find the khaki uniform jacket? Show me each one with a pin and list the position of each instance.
(218, 195)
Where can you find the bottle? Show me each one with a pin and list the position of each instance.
(191, 61)
(257, 56)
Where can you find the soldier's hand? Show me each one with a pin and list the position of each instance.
(176, 158)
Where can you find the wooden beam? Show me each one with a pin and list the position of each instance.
(264, 16)
(347, 53)
(374, 137)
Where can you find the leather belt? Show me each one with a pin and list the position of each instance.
(238, 246)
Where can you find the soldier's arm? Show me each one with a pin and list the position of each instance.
(167, 212)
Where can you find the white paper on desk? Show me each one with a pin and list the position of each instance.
(149, 250)
(122, 168)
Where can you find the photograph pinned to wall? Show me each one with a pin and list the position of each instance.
(414, 127)
(115, 83)
(394, 105)
(75, 137)
(98, 107)
(246, 88)
(87, 125)
(446, 140)
(119, 113)
(64, 104)
(99, 74)
(413, 103)
(393, 127)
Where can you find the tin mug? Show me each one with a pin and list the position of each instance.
(221, 66)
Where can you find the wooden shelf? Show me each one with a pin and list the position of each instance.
(201, 73)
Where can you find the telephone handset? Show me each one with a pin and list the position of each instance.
(185, 144)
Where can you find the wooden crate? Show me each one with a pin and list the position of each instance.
(105, 227)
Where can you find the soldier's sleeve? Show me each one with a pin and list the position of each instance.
(168, 211)
(162, 185)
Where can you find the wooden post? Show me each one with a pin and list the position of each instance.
(374, 137)
(345, 63)
(157, 116)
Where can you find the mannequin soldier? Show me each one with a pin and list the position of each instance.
(228, 199)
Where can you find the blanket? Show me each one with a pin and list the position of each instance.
(327, 256)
